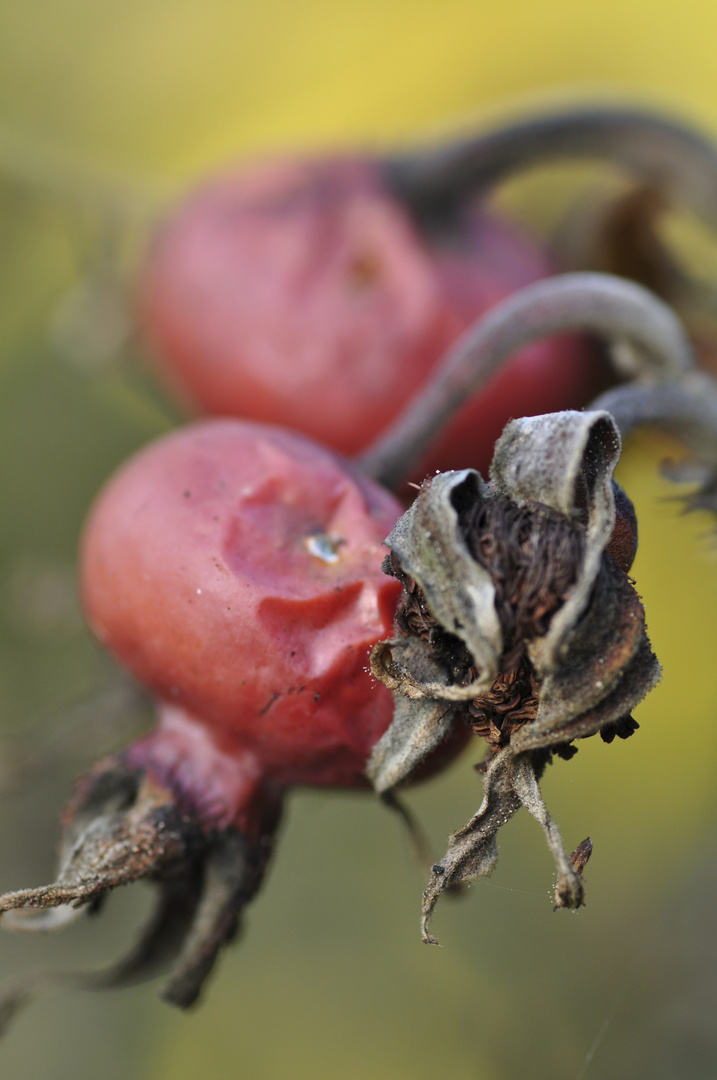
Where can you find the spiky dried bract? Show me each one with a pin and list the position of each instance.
(517, 620)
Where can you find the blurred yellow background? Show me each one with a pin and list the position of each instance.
(107, 110)
(171, 88)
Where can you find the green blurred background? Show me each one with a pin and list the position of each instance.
(107, 111)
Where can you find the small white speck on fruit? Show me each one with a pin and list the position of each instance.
(324, 547)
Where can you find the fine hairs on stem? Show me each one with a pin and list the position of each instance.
(618, 310)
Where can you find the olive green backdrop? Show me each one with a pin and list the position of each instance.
(107, 111)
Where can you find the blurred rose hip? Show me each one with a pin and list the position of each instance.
(302, 292)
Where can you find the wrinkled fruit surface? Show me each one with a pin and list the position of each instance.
(235, 569)
(301, 292)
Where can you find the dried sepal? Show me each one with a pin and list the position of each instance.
(118, 827)
(431, 552)
(122, 824)
(564, 461)
(158, 945)
(551, 648)
(419, 726)
(473, 850)
(430, 548)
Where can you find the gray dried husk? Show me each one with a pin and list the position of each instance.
(516, 620)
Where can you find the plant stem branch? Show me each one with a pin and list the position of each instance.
(592, 303)
(656, 148)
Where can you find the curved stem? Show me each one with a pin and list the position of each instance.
(593, 303)
(664, 151)
(686, 409)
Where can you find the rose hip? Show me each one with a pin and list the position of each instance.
(235, 569)
(303, 292)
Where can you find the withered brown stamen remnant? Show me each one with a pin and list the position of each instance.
(511, 702)
(518, 618)
(533, 555)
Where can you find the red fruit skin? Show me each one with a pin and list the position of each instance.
(301, 292)
(198, 574)
(552, 374)
(623, 542)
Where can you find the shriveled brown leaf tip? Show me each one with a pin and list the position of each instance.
(519, 620)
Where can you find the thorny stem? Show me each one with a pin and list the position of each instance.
(659, 150)
(619, 310)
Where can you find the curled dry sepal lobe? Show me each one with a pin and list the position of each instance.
(123, 824)
(517, 620)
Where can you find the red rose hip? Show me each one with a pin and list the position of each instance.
(303, 292)
(235, 569)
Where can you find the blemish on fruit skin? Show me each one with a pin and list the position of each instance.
(364, 270)
(270, 702)
(324, 547)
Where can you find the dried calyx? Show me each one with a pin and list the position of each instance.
(518, 618)
(126, 823)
